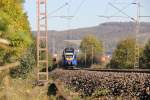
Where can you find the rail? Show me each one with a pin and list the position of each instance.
(114, 70)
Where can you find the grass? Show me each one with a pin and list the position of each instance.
(21, 89)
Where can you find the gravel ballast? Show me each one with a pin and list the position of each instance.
(116, 84)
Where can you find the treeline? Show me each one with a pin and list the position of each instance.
(123, 56)
(14, 28)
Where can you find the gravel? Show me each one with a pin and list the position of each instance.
(118, 84)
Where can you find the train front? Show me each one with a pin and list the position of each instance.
(69, 57)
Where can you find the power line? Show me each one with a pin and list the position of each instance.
(112, 16)
(56, 10)
(145, 16)
(121, 11)
(64, 17)
(125, 7)
(79, 7)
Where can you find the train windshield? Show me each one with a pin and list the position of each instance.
(69, 50)
(69, 56)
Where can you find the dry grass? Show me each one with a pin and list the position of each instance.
(19, 89)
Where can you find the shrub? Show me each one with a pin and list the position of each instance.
(145, 58)
(123, 56)
(27, 62)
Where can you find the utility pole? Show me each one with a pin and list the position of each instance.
(137, 28)
(42, 42)
(85, 57)
(53, 44)
(92, 55)
(104, 45)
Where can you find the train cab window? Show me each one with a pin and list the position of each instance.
(69, 50)
(69, 56)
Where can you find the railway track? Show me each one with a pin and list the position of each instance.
(113, 70)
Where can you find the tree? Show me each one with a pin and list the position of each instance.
(123, 56)
(91, 46)
(14, 27)
(145, 58)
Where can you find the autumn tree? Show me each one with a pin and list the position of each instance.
(91, 46)
(123, 56)
(14, 27)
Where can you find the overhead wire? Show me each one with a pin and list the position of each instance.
(77, 10)
(121, 11)
(79, 7)
(52, 13)
(106, 10)
(57, 9)
(69, 20)
(125, 7)
(103, 35)
(74, 14)
(63, 6)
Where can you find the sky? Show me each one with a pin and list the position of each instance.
(85, 12)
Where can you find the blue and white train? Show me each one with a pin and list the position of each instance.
(69, 57)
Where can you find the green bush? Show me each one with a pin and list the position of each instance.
(123, 56)
(27, 62)
(145, 58)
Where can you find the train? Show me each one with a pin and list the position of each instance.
(69, 57)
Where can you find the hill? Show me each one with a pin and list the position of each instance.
(110, 32)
